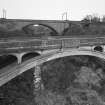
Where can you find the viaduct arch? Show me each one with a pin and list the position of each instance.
(26, 28)
(73, 52)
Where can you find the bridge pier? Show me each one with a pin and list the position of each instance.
(19, 57)
(37, 78)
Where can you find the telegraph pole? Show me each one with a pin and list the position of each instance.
(64, 14)
(4, 13)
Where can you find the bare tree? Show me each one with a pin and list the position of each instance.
(92, 18)
(103, 18)
(87, 18)
(95, 18)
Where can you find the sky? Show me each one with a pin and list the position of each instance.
(51, 9)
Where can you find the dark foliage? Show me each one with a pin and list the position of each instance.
(18, 91)
(59, 75)
(85, 28)
(61, 71)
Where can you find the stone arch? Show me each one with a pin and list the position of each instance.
(6, 60)
(67, 68)
(48, 57)
(26, 28)
(98, 48)
(29, 55)
(74, 52)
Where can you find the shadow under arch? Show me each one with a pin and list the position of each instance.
(6, 60)
(29, 55)
(98, 48)
(67, 67)
(26, 28)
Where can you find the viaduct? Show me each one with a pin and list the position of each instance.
(43, 49)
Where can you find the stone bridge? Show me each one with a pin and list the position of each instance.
(45, 49)
(12, 25)
(41, 49)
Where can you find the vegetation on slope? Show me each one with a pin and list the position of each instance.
(18, 91)
(90, 25)
(75, 80)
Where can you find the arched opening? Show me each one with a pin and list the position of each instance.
(29, 55)
(6, 60)
(39, 30)
(98, 48)
(77, 77)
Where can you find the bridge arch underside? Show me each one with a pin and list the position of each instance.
(29, 55)
(39, 29)
(69, 53)
(6, 60)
